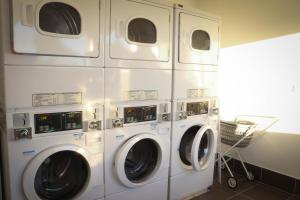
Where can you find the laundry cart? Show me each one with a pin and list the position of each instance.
(238, 134)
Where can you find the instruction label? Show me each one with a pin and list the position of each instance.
(69, 98)
(43, 100)
(150, 95)
(196, 93)
(52, 99)
(134, 95)
(139, 95)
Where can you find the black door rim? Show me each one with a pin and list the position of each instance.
(62, 175)
(186, 142)
(142, 160)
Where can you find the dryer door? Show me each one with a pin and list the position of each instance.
(138, 160)
(139, 31)
(58, 173)
(62, 27)
(196, 147)
(198, 40)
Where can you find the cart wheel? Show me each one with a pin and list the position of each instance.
(250, 176)
(232, 183)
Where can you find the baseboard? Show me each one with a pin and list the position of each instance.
(266, 176)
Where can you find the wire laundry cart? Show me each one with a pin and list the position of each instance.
(238, 134)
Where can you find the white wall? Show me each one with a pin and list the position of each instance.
(245, 21)
(263, 78)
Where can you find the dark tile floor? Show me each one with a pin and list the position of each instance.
(246, 190)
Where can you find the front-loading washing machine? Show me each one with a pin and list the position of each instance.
(194, 133)
(194, 145)
(196, 39)
(53, 153)
(59, 33)
(139, 34)
(50, 121)
(137, 150)
(137, 133)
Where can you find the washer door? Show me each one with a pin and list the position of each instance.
(57, 173)
(138, 160)
(196, 147)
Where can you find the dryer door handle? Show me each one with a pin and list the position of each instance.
(120, 29)
(27, 14)
(187, 39)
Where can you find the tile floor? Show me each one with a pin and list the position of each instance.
(246, 190)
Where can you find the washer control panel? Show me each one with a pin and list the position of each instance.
(140, 114)
(54, 122)
(197, 108)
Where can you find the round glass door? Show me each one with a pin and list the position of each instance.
(202, 153)
(138, 160)
(61, 176)
(141, 160)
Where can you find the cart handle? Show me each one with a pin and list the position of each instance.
(244, 122)
(274, 120)
(257, 116)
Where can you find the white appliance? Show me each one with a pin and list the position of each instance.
(51, 127)
(54, 153)
(190, 84)
(194, 133)
(137, 85)
(137, 148)
(47, 32)
(139, 34)
(26, 86)
(197, 39)
(137, 133)
(194, 145)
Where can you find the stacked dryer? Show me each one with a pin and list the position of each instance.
(138, 79)
(52, 95)
(195, 118)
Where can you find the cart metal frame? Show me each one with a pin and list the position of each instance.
(249, 132)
